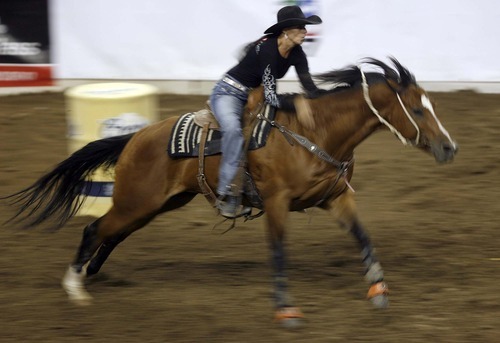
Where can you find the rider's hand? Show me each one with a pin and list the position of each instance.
(304, 112)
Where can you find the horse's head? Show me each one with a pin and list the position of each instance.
(412, 114)
(399, 103)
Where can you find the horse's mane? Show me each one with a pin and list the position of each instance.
(350, 76)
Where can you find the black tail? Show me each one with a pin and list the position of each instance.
(56, 194)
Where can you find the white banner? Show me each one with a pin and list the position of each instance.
(446, 40)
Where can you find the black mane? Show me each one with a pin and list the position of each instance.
(351, 76)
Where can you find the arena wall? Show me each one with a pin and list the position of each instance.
(184, 46)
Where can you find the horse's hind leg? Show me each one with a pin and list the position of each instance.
(73, 281)
(103, 253)
(344, 209)
(110, 244)
(103, 234)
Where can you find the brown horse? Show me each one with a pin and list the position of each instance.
(314, 171)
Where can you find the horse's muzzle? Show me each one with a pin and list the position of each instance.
(445, 151)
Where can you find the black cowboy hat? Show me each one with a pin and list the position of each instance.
(291, 16)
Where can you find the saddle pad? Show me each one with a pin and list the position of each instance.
(186, 135)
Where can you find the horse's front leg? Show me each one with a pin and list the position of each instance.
(276, 212)
(344, 209)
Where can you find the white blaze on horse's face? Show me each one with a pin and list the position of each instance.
(426, 103)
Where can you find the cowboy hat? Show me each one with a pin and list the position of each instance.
(291, 16)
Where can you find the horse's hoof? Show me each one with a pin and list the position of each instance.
(73, 284)
(81, 300)
(380, 301)
(378, 295)
(289, 317)
(292, 323)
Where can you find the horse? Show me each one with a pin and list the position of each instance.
(299, 167)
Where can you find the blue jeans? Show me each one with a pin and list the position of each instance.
(227, 103)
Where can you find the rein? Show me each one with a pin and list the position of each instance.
(403, 139)
(342, 167)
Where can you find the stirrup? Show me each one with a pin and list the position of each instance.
(228, 207)
(246, 212)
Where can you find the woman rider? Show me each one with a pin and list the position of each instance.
(265, 61)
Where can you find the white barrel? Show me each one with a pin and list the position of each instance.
(102, 110)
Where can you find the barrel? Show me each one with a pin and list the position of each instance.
(102, 110)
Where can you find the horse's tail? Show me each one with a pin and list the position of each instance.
(58, 194)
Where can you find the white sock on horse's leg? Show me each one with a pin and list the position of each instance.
(73, 284)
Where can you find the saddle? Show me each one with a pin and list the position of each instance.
(197, 134)
(205, 116)
(187, 133)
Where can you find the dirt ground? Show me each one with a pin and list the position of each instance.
(435, 228)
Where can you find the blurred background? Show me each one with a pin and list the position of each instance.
(184, 46)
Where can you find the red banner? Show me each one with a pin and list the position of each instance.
(24, 43)
(25, 75)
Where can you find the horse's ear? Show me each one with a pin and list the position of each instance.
(255, 99)
(396, 87)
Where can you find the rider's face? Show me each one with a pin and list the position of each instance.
(296, 34)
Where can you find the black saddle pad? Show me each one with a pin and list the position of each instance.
(186, 136)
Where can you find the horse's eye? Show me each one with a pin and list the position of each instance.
(418, 112)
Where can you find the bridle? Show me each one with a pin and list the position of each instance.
(403, 139)
(343, 167)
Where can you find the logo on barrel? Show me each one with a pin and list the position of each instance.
(123, 124)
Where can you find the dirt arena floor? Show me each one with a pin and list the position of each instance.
(435, 228)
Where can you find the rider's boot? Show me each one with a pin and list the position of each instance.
(229, 205)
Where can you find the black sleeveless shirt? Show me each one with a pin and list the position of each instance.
(263, 64)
